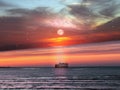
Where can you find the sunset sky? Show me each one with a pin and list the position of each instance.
(45, 32)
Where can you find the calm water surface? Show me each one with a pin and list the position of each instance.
(105, 78)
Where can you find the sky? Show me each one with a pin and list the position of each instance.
(45, 32)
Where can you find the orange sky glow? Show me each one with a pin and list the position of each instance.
(50, 60)
(50, 56)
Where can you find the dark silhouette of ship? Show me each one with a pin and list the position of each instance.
(61, 65)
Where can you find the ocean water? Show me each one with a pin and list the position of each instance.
(94, 78)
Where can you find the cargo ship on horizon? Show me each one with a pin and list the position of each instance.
(61, 65)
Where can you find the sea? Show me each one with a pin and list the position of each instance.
(48, 78)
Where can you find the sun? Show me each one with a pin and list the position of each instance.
(60, 32)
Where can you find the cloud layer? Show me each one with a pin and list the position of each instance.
(85, 21)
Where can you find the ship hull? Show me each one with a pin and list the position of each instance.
(61, 65)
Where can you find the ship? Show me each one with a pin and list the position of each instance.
(61, 65)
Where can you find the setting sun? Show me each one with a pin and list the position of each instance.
(60, 32)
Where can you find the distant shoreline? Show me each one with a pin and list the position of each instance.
(71, 67)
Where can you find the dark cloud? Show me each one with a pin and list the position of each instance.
(14, 46)
(23, 26)
(84, 14)
(112, 25)
(110, 10)
(79, 10)
(22, 30)
(19, 19)
(88, 12)
(96, 1)
(106, 8)
(40, 11)
(94, 9)
(4, 4)
(35, 17)
(109, 31)
(11, 23)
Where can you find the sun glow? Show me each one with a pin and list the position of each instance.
(60, 32)
(59, 41)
